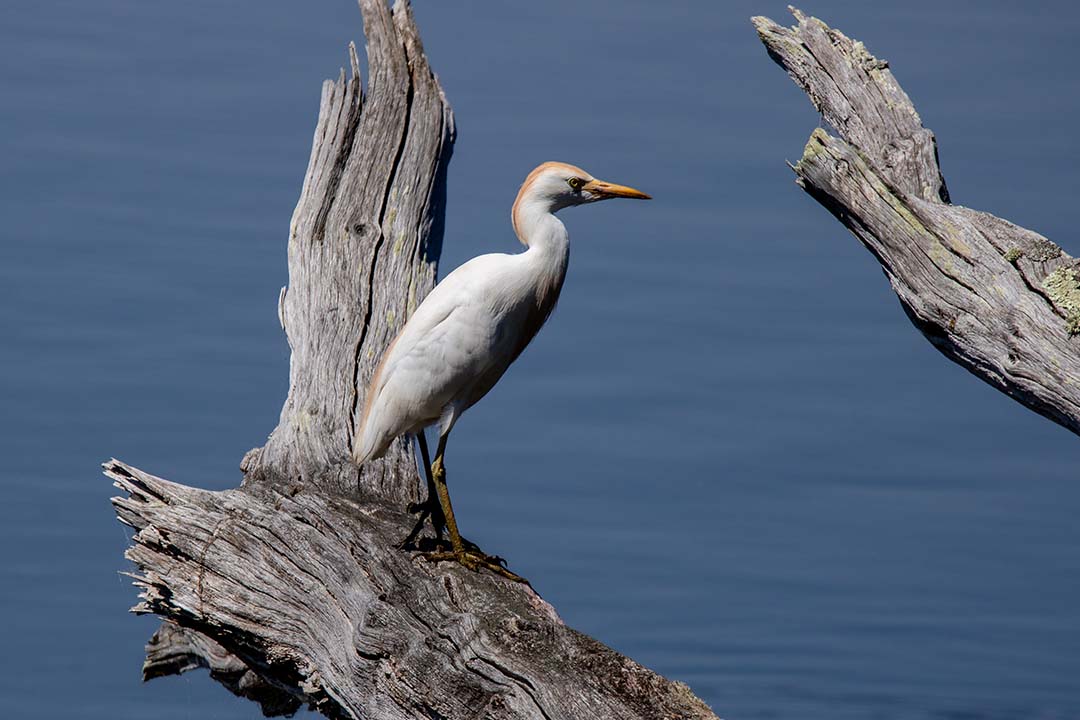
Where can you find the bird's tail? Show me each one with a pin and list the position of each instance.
(368, 445)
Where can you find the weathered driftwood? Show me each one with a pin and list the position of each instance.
(291, 589)
(304, 598)
(1002, 301)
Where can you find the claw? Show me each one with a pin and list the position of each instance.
(475, 561)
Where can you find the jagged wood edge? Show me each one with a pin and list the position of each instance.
(290, 590)
(999, 300)
(174, 650)
(308, 593)
(363, 246)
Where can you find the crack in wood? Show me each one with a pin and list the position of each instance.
(1019, 335)
(291, 589)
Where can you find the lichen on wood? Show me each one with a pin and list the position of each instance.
(999, 300)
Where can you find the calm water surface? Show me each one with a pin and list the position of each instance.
(729, 455)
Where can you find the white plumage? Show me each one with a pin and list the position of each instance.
(456, 345)
(475, 323)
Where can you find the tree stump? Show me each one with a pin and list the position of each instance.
(291, 589)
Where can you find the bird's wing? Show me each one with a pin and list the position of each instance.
(460, 333)
(455, 320)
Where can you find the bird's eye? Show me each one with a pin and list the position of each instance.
(575, 183)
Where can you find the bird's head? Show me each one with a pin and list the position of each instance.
(562, 185)
(555, 185)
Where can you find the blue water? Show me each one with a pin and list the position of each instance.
(728, 455)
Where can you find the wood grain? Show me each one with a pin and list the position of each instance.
(291, 590)
(1000, 300)
(305, 594)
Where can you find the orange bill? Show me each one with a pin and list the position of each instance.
(606, 189)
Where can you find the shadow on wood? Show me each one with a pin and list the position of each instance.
(291, 589)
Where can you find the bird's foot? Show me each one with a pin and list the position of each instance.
(475, 560)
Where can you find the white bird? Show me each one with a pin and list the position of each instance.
(464, 336)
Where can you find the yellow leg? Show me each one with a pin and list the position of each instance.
(438, 473)
(470, 557)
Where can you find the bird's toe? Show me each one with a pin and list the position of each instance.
(475, 561)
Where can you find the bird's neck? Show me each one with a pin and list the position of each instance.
(545, 262)
(537, 227)
(545, 237)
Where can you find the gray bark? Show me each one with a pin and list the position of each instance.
(1000, 300)
(291, 589)
(302, 597)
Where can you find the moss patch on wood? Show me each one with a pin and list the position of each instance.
(1063, 288)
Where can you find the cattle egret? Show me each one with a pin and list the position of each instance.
(464, 336)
